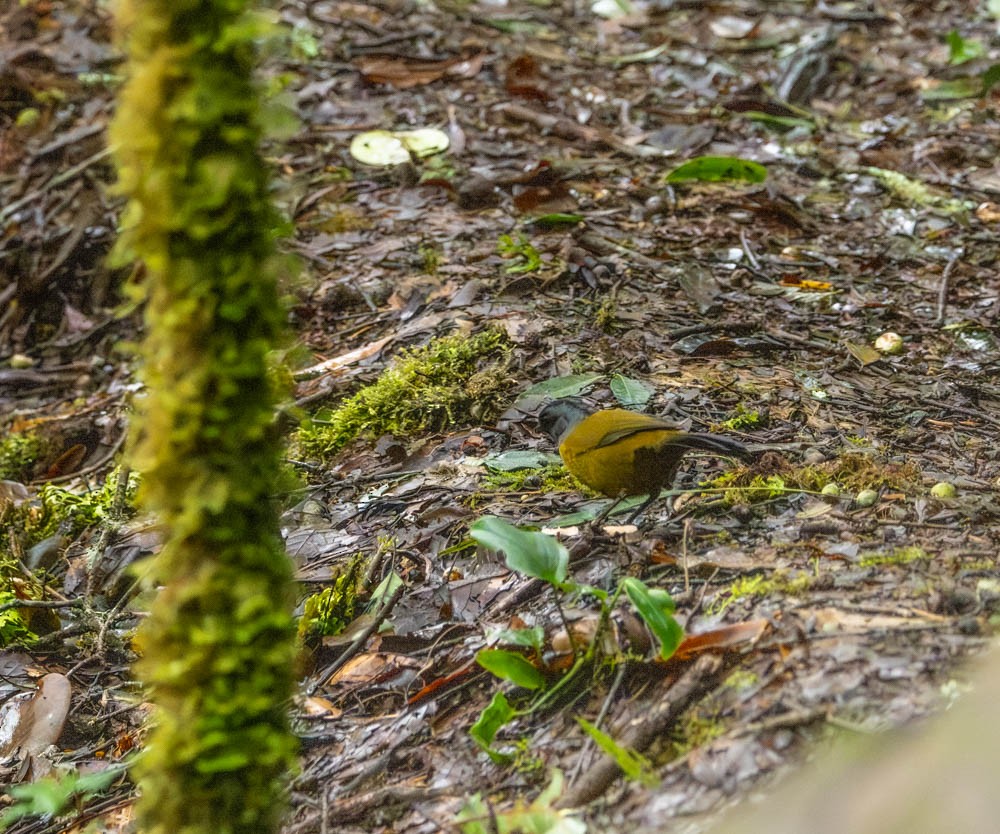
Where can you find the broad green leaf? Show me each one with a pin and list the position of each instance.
(633, 765)
(510, 666)
(957, 88)
(90, 784)
(385, 589)
(491, 719)
(533, 554)
(384, 147)
(46, 797)
(474, 815)
(564, 386)
(590, 511)
(631, 392)
(50, 796)
(524, 255)
(514, 459)
(537, 818)
(718, 169)
(961, 50)
(377, 148)
(424, 141)
(655, 607)
(531, 638)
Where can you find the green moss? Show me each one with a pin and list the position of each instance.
(13, 627)
(344, 219)
(57, 509)
(741, 680)
(430, 257)
(760, 585)
(850, 472)
(552, 478)
(605, 315)
(743, 419)
(18, 454)
(737, 490)
(897, 556)
(526, 760)
(694, 731)
(83, 510)
(855, 472)
(331, 610)
(218, 646)
(454, 380)
(55, 512)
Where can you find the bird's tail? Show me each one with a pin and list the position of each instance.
(712, 443)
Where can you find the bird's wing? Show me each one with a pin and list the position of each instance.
(630, 423)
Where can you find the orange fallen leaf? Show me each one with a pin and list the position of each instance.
(724, 637)
(69, 461)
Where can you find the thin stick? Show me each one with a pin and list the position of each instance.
(942, 301)
(361, 639)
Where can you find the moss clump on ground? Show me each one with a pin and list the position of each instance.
(554, 477)
(452, 381)
(743, 419)
(759, 488)
(57, 509)
(331, 610)
(695, 731)
(851, 472)
(855, 472)
(760, 585)
(897, 556)
(18, 453)
(606, 315)
(55, 512)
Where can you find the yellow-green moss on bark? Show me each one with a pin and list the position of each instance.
(218, 646)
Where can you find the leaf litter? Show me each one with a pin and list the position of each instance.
(706, 298)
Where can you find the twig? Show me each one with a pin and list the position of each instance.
(662, 708)
(354, 809)
(360, 640)
(39, 603)
(684, 554)
(588, 742)
(747, 250)
(942, 300)
(65, 176)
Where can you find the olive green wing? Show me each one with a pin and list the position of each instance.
(630, 423)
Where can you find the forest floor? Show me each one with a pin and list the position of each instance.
(748, 308)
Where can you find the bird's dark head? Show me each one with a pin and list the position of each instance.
(560, 417)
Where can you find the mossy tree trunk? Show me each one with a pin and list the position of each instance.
(218, 646)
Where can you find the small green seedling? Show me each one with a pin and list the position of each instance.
(544, 557)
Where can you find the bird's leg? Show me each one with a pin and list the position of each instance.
(643, 506)
(603, 514)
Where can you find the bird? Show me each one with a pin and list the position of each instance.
(618, 452)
